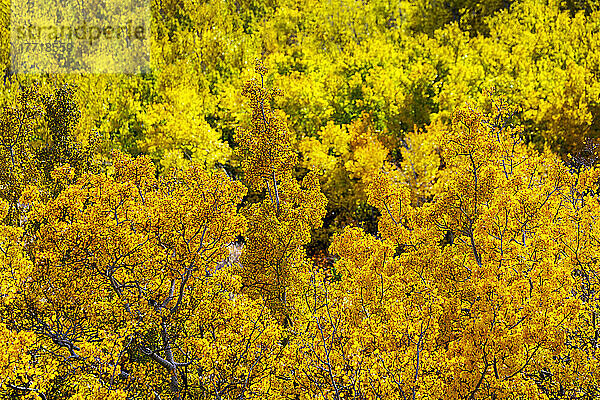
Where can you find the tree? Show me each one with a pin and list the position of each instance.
(37, 134)
(472, 294)
(118, 291)
(279, 225)
(480, 280)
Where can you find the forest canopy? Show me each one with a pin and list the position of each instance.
(307, 199)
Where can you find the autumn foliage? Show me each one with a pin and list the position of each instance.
(480, 281)
(392, 202)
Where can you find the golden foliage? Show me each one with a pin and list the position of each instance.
(479, 279)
